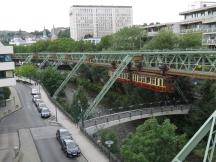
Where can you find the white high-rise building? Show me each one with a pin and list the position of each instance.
(97, 21)
(6, 66)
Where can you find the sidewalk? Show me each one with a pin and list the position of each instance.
(88, 149)
(28, 148)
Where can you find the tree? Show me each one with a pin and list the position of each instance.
(128, 38)
(51, 79)
(165, 39)
(152, 142)
(79, 104)
(26, 70)
(64, 33)
(190, 40)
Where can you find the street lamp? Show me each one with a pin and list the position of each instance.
(82, 117)
(109, 144)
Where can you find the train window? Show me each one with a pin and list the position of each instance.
(139, 78)
(153, 81)
(148, 80)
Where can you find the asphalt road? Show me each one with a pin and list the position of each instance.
(43, 133)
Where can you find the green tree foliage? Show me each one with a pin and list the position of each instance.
(79, 104)
(106, 42)
(26, 70)
(203, 107)
(190, 40)
(152, 142)
(58, 45)
(6, 92)
(64, 34)
(128, 38)
(51, 79)
(106, 135)
(165, 39)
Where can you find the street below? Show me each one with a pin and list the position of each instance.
(42, 131)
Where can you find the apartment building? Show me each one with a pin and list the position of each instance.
(153, 29)
(6, 66)
(98, 21)
(201, 19)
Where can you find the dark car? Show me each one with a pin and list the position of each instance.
(70, 148)
(62, 134)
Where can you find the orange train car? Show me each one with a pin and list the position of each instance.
(150, 81)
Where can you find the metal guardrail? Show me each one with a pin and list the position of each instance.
(132, 113)
(101, 147)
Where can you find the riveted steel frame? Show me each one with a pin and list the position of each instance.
(71, 74)
(108, 85)
(200, 64)
(207, 128)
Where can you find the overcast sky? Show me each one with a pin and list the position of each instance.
(33, 15)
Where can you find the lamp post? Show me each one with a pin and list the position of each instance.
(82, 117)
(109, 144)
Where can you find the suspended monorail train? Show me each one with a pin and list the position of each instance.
(150, 81)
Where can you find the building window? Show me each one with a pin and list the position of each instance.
(5, 58)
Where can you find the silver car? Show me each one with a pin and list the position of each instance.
(45, 112)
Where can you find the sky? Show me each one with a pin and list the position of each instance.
(30, 15)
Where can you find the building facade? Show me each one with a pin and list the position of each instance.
(98, 21)
(7, 66)
(201, 19)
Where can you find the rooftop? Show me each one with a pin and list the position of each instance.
(198, 10)
(102, 6)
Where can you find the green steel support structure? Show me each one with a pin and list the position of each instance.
(72, 72)
(28, 59)
(59, 61)
(44, 61)
(199, 64)
(108, 85)
(207, 128)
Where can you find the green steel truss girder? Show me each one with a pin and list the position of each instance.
(72, 73)
(58, 61)
(190, 62)
(207, 128)
(44, 61)
(108, 85)
(28, 59)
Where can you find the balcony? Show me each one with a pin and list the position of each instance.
(209, 42)
(7, 66)
(151, 34)
(194, 30)
(7, 82)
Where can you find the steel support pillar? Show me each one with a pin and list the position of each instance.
(108, 85)
(207, 128)
(28, 59)
(44, 62)
(72, 72)
(59, 61)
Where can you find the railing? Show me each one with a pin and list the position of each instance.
(209, 30)
(132, 113)
(101, 147)
(137, 106)
(209, 42)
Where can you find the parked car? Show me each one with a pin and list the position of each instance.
(37, 101)
(45, 112)
(34, 91)
(70, 148)
(62, 134)
(34, 97)
(41, 105)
